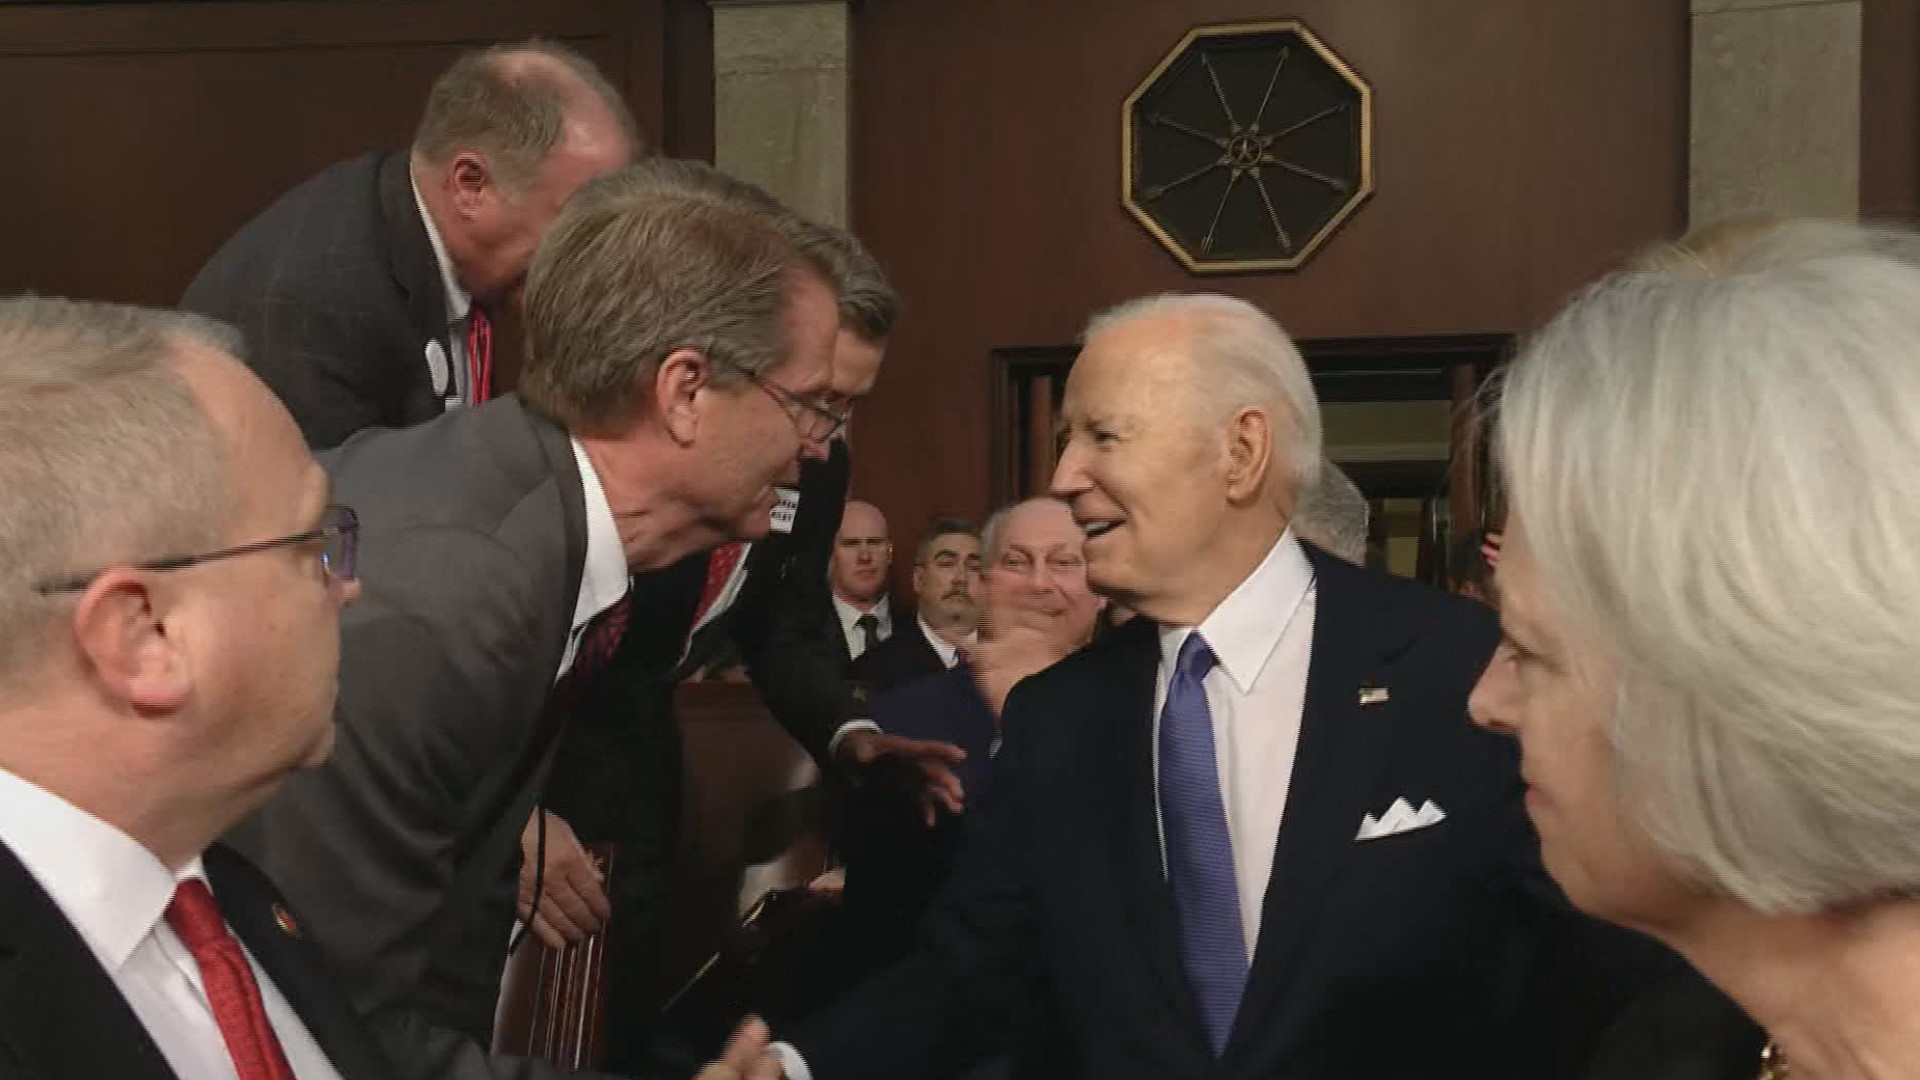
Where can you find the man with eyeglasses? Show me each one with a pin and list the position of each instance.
(679, 370)
(171, 582)
(1036, 609)
(618, 774)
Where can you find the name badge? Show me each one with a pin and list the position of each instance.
(786, 505)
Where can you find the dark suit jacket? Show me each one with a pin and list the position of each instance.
(336, 290)
(62, 1018)
(472, 548)
(1381, 960)
(902, 658)
(617, 778)
(895, 864)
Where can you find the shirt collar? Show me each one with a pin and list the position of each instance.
(604, 576)
(110, 887)
(458, 300)
(948, 653)
(850, 615)
(1242, 631)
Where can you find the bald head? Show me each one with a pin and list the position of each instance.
(862, 555)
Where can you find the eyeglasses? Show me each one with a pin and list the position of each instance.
(339, 531)
(815, 422)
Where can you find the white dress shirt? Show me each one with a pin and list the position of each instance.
(459, 306)
(948, 652)
(115, 894)
(604, 576)
(1262, 634)
(850, 617)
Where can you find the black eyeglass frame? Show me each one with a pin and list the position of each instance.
(789, 401)
(339, 523)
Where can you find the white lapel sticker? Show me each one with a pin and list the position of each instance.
(439, 368)
(786, 504)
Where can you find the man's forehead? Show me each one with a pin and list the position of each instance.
(955, 544)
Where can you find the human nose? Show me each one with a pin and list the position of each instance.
(1492, 703)
(1069, 474)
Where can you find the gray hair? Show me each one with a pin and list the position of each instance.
(637, 266)
(106, 455)
(511, 103)
(1716, 467)
(868, 304)
(939, 527)
(991, 533)
(1248, 360)
(1334, 515)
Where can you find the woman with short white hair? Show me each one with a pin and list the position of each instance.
(1711, 586)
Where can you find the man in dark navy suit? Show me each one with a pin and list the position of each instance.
(1250, 833)
(1036, 609)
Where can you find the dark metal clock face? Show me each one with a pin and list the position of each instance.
(1246, 146)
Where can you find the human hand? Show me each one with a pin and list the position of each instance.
(746, 1056)
(573, 899)
(934, 761)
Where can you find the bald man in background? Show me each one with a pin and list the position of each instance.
(367, 295)
(862, 559)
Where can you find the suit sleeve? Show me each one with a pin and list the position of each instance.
(794, 663)
(438, 688)
(974, 966)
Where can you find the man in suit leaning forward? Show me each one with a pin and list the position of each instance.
(367, 293)
(1249, 833)
(170, 586)
(679, 354)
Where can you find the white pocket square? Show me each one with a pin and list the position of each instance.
(1400, 818)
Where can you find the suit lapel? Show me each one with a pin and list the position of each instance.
(417, 273)
(1342, 748)
(1128, 717)
(60, 1013)
(255, 913)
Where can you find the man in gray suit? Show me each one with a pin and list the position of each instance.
(679, 367)
(365, 293)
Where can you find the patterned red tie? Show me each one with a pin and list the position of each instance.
(231, 992)
(598, 642)
(479, 355)
(720, 566)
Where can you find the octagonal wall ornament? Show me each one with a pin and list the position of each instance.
(1246, 147)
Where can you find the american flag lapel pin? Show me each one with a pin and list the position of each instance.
(1374, 695)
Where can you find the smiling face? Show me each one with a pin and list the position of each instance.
(1555, 690)
(1146, 477)
(1041, 570)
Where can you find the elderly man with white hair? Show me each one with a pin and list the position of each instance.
(1250, 833)
(1333, 515)
(1719, 714)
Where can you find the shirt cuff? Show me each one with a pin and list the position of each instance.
(791, 1062)
(846, 729)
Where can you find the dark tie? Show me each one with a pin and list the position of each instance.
(479, 356)
(720, 564)
(598, 642)
(1199, 854)
(232, 993)
(869, 625)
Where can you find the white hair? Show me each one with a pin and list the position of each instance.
(1248, 359)
(992, 534)
(1334, 515)
(1718, 466)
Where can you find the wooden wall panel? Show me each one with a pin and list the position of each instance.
(140, 136)
(1890, 108)
(1521, 147)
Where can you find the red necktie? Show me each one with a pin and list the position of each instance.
(231, 991)
(479, 355)
(720, 564)
(598, 642)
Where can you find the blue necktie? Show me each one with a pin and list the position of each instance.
(1199, 854)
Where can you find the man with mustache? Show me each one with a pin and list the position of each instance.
(946, 571)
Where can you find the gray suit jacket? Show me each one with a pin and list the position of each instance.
(472, 545)
(336, 290)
